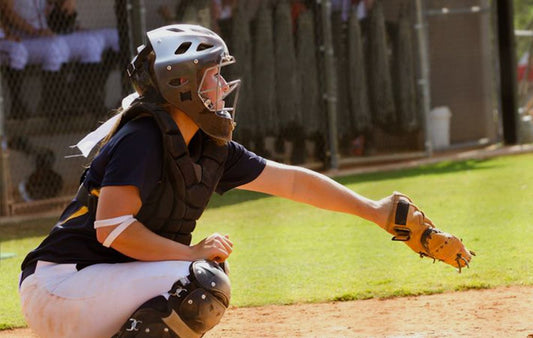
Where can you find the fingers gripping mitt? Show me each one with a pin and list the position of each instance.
(409, 224)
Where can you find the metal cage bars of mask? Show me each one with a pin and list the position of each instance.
(232, 86)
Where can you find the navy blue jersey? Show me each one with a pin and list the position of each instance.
(133, 156)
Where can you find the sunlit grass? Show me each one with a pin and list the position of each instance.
(287, 252)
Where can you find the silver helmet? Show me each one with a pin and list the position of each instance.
(184, 55)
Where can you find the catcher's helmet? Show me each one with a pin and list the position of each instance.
(174, 62)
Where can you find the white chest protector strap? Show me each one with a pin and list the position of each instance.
(122, 222)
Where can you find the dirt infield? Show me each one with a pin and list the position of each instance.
(500, 312)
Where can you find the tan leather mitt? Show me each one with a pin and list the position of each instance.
(409, 224)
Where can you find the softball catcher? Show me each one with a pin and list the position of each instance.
(119, 261)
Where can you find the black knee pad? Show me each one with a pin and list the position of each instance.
(195, 305)
(208, 293)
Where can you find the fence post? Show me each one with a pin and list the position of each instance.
(508, 83)
(423, 81)
(137, 23)
(122, 10)
(4, 161)
(331, 80)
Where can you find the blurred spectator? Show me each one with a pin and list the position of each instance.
(62, 16)
(90, 77)
(12, 52)
(197, 12)
(222, 13)
(29, 20)
(363, 7)
(346, 6)
(342, 6)
(37, 47)
(62, 19)
(214, 14)
(31, 16)
(13, 59)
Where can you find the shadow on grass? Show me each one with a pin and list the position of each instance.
(370, 294)
(441, 168)
(23, 229)
(234, 197)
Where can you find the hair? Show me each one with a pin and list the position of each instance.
(146, 88)
(142, 79)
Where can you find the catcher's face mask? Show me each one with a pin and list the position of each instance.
(186, 68)
(219, 96)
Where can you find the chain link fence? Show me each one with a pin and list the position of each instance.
(325, 83)
(525, 81)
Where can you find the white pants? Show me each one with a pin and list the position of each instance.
(51, 52)
(13, 53)
(59, 301)
(109, 37)
(84, 46)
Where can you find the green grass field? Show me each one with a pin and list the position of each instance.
(287, 252)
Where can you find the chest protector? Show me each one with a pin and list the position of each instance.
(188, 178)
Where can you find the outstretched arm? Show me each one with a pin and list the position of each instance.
(396, 213)
(306, 186)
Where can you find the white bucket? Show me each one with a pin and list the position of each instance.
(439, 127)
(526, 129)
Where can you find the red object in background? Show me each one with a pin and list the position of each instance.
(358, 146)
(297, 8)
(522, 66)
(522, 70)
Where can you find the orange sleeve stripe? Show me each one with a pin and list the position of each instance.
(80, 212)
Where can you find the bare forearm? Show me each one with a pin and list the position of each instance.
(323, 192)
(15, 21)
(142, 244)
(306, 186)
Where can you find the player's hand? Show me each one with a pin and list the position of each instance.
(216, 247)
(45, 32)
(68, 7)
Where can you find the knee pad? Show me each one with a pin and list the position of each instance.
(195, 304)
(202, 299)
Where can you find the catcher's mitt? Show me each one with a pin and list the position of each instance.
(409, 224)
